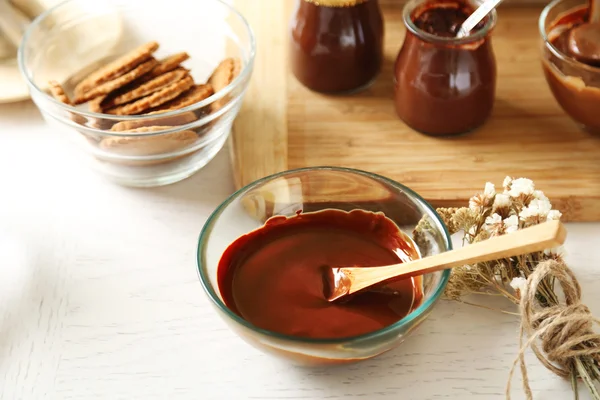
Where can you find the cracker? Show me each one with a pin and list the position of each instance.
(116, 68)
(187, 98)
(148, 145)
(157, 98)
(58, 93)
(115, 84)
(96, 104)
(172, 120)
(168, 64)
(145, 89)
(225, 73)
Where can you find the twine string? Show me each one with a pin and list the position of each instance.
(558, 334)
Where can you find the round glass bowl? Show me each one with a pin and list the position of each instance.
(309, 190)
(77, 36)
(575, 86)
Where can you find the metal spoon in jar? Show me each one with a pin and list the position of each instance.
(584, 40)
(471, 22)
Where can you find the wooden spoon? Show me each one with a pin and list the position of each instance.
(583, 42)
(345, 281)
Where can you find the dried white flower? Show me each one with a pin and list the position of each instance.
(536, 208)
(493, 225)
(493, 219)
(554, 214)
(502, 200)
(507, 181)
(479, 201)
(511, 223)
(538, 194)
(518, 284)
(521, 186)
(560, 250)
(489, 190)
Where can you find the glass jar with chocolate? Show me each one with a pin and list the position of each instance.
(336, 46)
(444, 85)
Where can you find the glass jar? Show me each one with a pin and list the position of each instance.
(336, 46)
(444, 85)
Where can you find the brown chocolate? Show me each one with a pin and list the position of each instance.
(574, 83)
(444, 86)
(336, 48)
(443, 21)
(274, 276)
(584, 43)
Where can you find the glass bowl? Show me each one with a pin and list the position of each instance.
(575, 86)
(70, 40)
(314, 189)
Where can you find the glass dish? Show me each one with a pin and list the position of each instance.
(575, 85)
(68, 41)
(313, 189)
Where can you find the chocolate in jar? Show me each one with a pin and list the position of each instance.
(444, 85)
(336, 46)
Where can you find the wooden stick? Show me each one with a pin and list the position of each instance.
(345, 281)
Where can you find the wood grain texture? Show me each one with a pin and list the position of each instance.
(258, 142)
(528, 134)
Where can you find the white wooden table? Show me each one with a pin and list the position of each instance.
(99, 299)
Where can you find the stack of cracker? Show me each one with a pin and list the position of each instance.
(137, 83)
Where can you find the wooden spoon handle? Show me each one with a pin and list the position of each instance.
(537, 238)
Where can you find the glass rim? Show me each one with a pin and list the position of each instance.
(474, 37)
(405, 321)
(26, 73)
(553, 49)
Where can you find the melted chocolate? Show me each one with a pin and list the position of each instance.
(575, 38)
(274, 277)
(444, 88)
(575, 87)
(336, 48)
(584, 44)
(444, 21)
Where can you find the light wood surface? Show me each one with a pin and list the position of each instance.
(528, 134)
(548, 235)
(260, 130)
(100, 298)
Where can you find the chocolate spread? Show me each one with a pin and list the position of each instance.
(444, 86)
(574, 84)
(336, 48)
(274, 276)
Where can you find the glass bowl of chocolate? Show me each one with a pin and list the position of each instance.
(263, 255)
(146, 92)
(571, 59)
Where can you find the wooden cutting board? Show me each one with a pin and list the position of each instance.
(284, 126)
